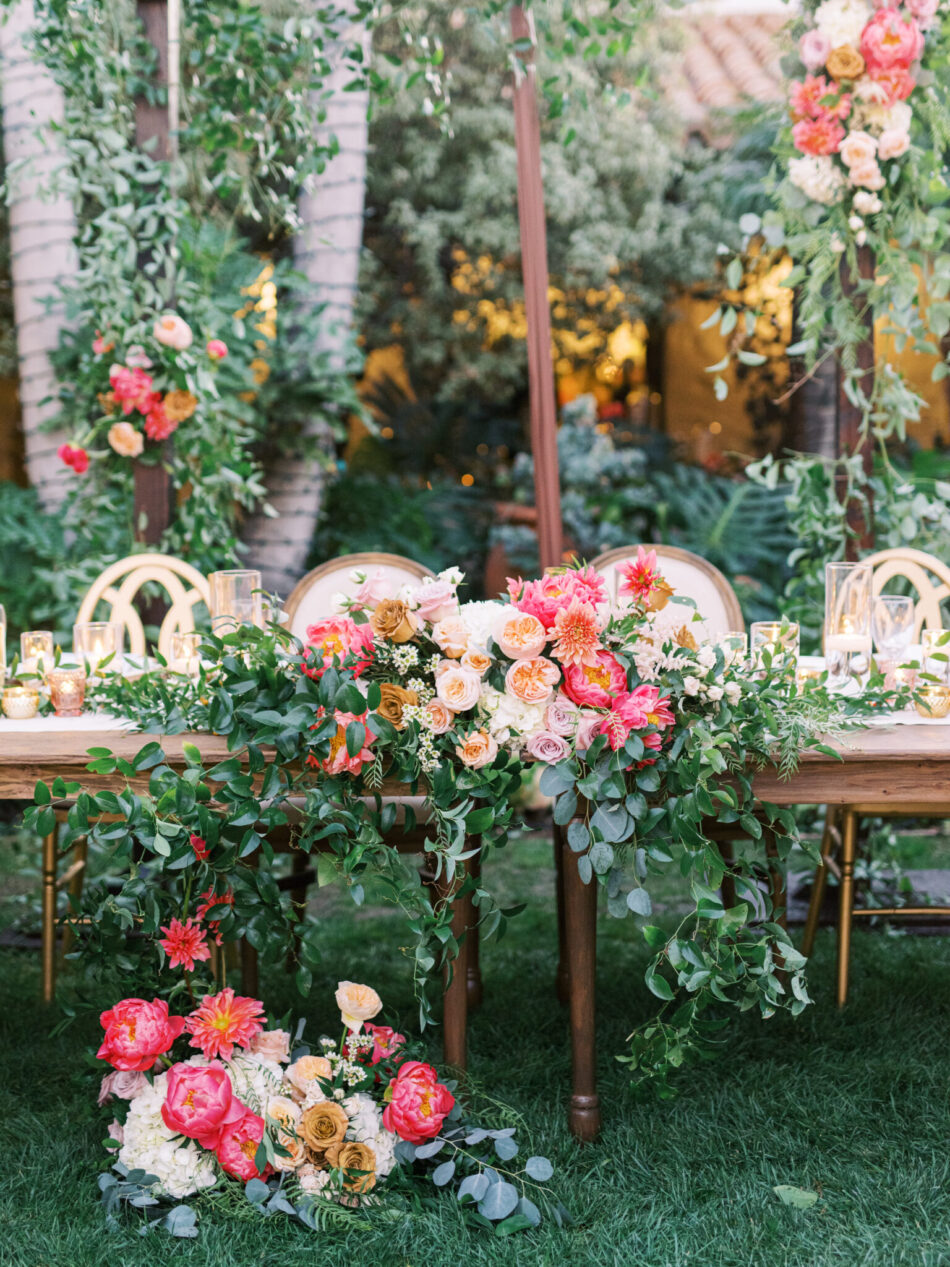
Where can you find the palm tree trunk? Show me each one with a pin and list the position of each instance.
(327, 253)
(42, 249)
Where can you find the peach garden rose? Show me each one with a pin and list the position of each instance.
(451, 637)
(125, 440)
(458, 689)
(532, 681)
(357, 1003)
(521, 636)
(173, 332)
(477, 750)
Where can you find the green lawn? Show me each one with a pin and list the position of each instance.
(854, 1106)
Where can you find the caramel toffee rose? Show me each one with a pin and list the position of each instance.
(322, 1126)
(392, 620)
(845, 62)
(393, 699)
(353, 1157)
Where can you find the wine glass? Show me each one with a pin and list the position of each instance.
(892, 623)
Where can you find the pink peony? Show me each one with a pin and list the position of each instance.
(891, 40)
(185, 944)
(339, 640)
(893, 143)
(386, 1042)
(544, 598)
(217, 349)
(237, 1147)
(641, 708)
(132, 388)
(434, 601)
(200, 1102)
(272, 1044)
(521, 636)
(224, 1021)
(813, 49)
(577, 634)
(532, 681)
(173, 332)
(807, 95)
(924, 11)
(339, 760)
(857, 149)
(596, 685)
(158, 425)
(546, 746)
(418, 1103)
(125, 1084)
(137, 1033)
(896, 84)
(818, 136)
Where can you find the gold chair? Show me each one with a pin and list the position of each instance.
(930, 579)
(117, 587)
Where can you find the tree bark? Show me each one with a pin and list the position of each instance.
(42, 243)
(327, 253)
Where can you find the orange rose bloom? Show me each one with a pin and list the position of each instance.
(352, 1156)
(322, 1126)
(393, 699)
(180, 405)
(479, 749)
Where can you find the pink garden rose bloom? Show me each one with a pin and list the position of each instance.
(272, 1044)
(418, 1103)
(450, 635)
(533, 680)
(857, 149)
(217, 349)
(546, 746)
(813, 49)
(521, 636)
(434, 601)
(173, 332)
(477, 749)
(459, 689)
(891, 40)
(562, 715)
(373, 588)
(123, 1084)
(200, 1102)
(137, 1033)
(588, 728)
(137, 358)
(924, 11)
(341, 640)
(893, 143)
(867, 176)
(438, 719)
(895, 85)
(596, 685)
(237, 1147)
(818, 136)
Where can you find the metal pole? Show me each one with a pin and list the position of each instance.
(534, 264)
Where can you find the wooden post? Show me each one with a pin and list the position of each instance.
(153, 490)
(850, 417)
(534, 264)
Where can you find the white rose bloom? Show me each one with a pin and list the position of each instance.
(733, 692)
(339, 602)
(842, 21)
(691, 685)
(481, 621)
(817, 178)
(715, 693)
(866, 203)
(454, 576)
(706, 655)
(312, 1180)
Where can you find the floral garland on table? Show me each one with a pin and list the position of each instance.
(644, 736)
(305, 1134)
(862, 164)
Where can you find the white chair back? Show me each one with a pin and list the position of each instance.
(312, 597)
(690, 576)
(926, 575)
(119, 584)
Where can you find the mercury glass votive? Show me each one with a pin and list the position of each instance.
(36, 645)
(933, 699)
(67, 690)
(96, 640)
(20, 702)
(183, 654)
(779, 639)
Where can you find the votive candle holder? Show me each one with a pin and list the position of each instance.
(36, 646)
(20, 702)
(96, 640)
(933, 699)
(183, 655)
(779, 639)
(67, 690)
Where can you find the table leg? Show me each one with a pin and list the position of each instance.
(49, 914)
(561, 980)
(849, 833)
(455, 998)
(580, 928)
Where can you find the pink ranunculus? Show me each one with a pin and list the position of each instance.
(867, 176)
(200, 1102)
(858, 148)
(893, 143)
(588, 728)
(459, 689)
(137, 1033)
(125, 1084)
(237, 1147)
(418, 1103)
(818, 136)
(340, 640)
(339, 760)
(532, 680)
(434, 601)
(173, 332)
(813, 49)
(385, 1042)
(272, 1044)
(217, 349)
(562, 715)
(545, 745)
(596, 685)
(438, 719)
(891, 40)
(521, 636)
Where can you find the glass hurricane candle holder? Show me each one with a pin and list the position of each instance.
(183, 654)
(776, 641)
(847, 623)
(236, 600)
(735, 646)
(933, 699)
(36, 647)
(20, 702)
(67, 690)
(96, 640)
(935, 652)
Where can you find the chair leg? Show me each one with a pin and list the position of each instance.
(580, 911)
(474, 970)
(80, 858)
(849, 835)
(50, 843)
(819, 883)
(562, 986)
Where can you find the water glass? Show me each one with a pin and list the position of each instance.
(236, 600)
(847, 623)
(779, 639)
(893, 626)
(183, 654)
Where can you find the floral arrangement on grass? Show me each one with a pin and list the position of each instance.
(256, 1114)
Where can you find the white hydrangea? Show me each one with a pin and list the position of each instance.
(509, 718)
(254, 1079)
(842, 21)
(366, 1127)
(876, 116)
(481, 620)
(181, 1167)
(818, 178)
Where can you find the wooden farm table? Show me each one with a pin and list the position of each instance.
(49, 750)
(880, 768)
